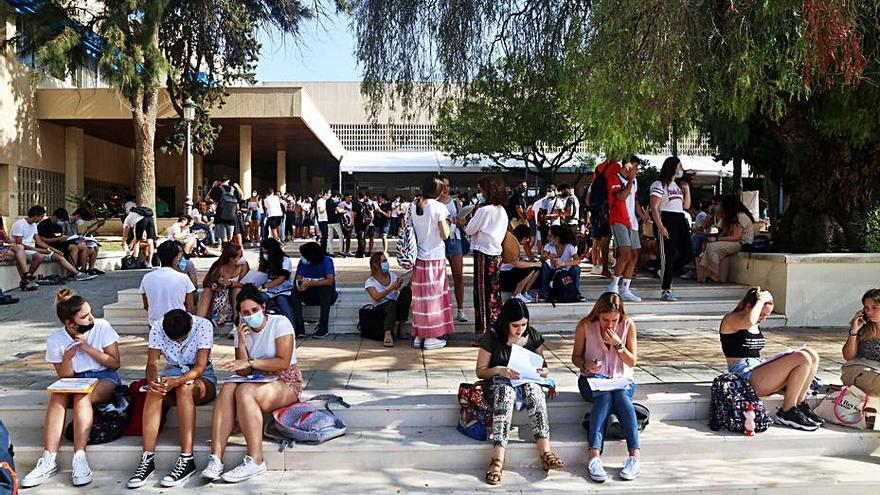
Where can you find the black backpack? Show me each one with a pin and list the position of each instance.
(731, 396)
(228, 207)
(613, 428)
(142, 211)
(371, 319)
(8, 479)
(562, 287)
(108, 425)
(599, 188)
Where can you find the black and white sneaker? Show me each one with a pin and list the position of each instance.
(794, 418)
(144, 470)
(320, 333)
(810, 415)
(182, 470)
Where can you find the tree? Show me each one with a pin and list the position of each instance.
(512, 111)
(194, 48)
(789, 87)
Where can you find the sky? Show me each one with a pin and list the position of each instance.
(323, 53)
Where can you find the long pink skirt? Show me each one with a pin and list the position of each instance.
(431, 305)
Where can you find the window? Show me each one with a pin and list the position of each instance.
(39, 187)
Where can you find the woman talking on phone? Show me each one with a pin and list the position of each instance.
(862, 347)
(389, 294)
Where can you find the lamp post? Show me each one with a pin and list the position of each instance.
(189, 115)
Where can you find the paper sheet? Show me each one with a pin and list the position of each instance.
(255, 277)
(257, 378)
(526, 363)
(608, 384)
(73, 385)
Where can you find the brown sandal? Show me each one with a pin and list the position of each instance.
(389, 341)
(550, 461)
(493, 474)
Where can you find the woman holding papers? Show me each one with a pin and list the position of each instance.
(84, 348)
(264, 346)
(390, 294)
(513, 341)
(605, 349)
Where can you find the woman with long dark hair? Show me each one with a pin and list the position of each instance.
(390, 295)
(486, 230)
(670, 197)
(560, 253)
(737, 224)
(221, 285)
(279, 276)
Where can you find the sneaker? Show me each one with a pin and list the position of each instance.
(810, 415)
(460, 316)
(523, 297)
(606, 273)
(667, 296)
(82, 277)
(350, 254)
(320, 333)
(144, 470)
(182, 470)
(612, 287)
(596, 270)
(630, 469)
(794, 418)
(95, 271)
(418, 342)
(596, 470)
(82, 474)
(628, 296)
(214, 468)
(46, 468)
(432, 344)
(246, 470)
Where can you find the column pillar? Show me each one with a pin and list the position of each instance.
(244, 159)
(199, 177)
(281, 171)
(74, 164)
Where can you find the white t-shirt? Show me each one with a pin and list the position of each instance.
(175, 230)
(430, 244)
(262, 345)
(166, 289)
(395, 209)
(671, 197)
(321, 204)
(131, 220)
(273, 206)
(183, 354)
(26, 230)
(631, 200)
(372, 282)
(568, 253)
(285, 287)
(575, 205)
(99, 337)
(452, 208)
(487, 228)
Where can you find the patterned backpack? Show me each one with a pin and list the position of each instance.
(8, 479)
(406, 244)
(731, 396)
(475, 415)
(303, 422)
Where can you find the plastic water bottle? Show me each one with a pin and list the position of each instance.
(749, 424)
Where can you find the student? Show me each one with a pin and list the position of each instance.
(382, 219)
(227, 196)
(519, 276)
(512, 328)
(88, 249)
(487, 229)
(274, 214)
(670, 197)
(265, 345)
(277, 268)
(51, 233)
(25, 233)
(188, 268)
(221, 285)
(738, 228)
(136, 226)
(184, 342)
(605, 347)
(560, 253)
(179, 231)
(863, 344)
(255, 218)
(322, 216)
(315, 285)
(85, 347)
(166, 288)
(790, 374)
(389, 295)
(623, 189)
(455, 247)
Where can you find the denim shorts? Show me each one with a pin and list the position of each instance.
(453, 247)
(744, 367)
(109, 375)
(208, 375)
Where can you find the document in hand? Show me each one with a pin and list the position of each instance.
(73, 386)
(526, 363)
(608, 384)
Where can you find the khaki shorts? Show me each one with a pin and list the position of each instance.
(625, 236)
(30, 255)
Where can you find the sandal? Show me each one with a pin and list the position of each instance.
(493, 474)
(550, 461)
(389, 341)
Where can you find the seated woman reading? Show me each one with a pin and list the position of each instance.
(518, 277)
(862, 347)
(790, 373)
(389, 295)
(512, 328)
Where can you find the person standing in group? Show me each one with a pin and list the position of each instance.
(394, 231)
(623, 189)
(454, 248)
(255, 218)
(670, 196)
(571, 208)
(305, 204)
(431, 308)
(139, 225)
(363, 217)
(486, 230)
(517, 211)
(322, 216)
(600, 229)
(227, 196)
(274, 214)
(543, 208)
(346, 219)
(334, 225)
(382, 219)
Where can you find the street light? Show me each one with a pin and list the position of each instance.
(189, 115)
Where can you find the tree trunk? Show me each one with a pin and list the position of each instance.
(737, 175)
(144, 110)
(673, 148)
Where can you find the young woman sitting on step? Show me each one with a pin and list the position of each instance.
(184, 342)
(790, 373)
(264, 345)
(605, 347)
(221, 285)
(389, 294)
(85, 347)
(512, 328)
(862, 347)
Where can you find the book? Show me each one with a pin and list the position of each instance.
(255, 378)
(73, 386)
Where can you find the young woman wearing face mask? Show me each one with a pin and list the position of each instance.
(388, 293)
(265, 345)
(279, 275)
(670, 197)
(85, 347)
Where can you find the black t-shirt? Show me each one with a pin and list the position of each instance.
(500, 350)
(48, 230)
(358, 209)
(516, 199)
(332, 214)
(379, 219)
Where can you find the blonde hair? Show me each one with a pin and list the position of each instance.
(608, 302)
(869, 329)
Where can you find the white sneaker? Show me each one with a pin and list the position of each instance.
(46, 468)
(214, 468)
(432, 344)
(523, 297)
(417, 342)
(612, 287)
(596, 470)
(668, 297)
(630, 469)
(246, 470)
(596, 270)
(82, 474)
(460, 316)
(628, 296)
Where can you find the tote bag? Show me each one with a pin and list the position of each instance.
(849, 407)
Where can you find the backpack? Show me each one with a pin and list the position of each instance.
(406, 244)
(562, 287)
(370, 322)
(138, 392)
(599, 188)
(475, 413)
(143, 211)
(228, 207)
(8, 478)
(110, 418)
(303, 422)
(731, 396)
(613, 428)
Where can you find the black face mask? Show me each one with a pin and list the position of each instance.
(81, 329)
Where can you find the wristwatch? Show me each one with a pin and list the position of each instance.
(618, 347)
(853, 334)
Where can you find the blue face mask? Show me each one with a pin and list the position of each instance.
(182, 264)
(384, 266)
(679, 174)
(480, 198)
(254, 320)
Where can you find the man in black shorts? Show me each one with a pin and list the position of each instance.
(137, 226)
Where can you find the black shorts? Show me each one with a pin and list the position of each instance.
(145, 226)
(508, 279)
(599, 227)
(274, 222)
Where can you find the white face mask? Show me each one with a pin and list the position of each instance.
(80, 222)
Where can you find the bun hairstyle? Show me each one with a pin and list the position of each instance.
(249, 292)
(750, 299)
(68, 304)
(513, 310)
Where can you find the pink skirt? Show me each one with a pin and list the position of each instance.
(431, 305)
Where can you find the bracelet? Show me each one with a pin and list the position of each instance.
(853, 334)
(251, 363)
(618, 347)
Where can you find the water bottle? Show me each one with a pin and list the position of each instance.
(749, 424)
